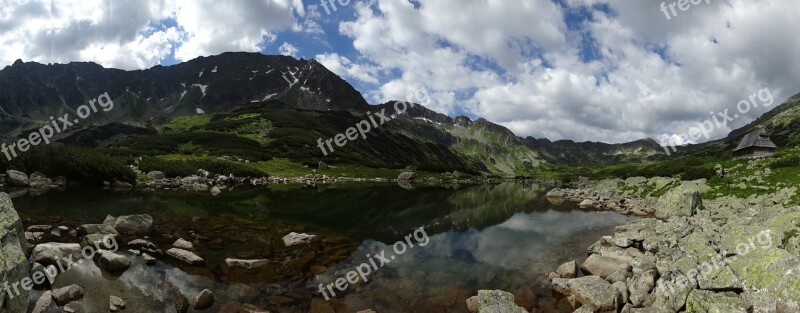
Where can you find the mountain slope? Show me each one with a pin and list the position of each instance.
(256, 107)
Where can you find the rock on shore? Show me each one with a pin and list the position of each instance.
(12, 251)
(721, 255)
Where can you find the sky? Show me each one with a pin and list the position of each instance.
(586, 70)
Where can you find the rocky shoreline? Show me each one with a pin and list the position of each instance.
(686, 254)
(18, 183)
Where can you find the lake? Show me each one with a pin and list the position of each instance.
(506, 236)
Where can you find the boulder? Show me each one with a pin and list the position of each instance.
(67, 294)
(148, 259)
(496, 301)
(204, 300)
(709, 301)
(52, 252)
(121, 185)
(589, 290)
(156, 175)
(603, 266)
(185, 256)
(38, 181)
(322, 166)
(248, 265)
(116, 304)
(215, 191)
(568, 270)
(14, 265)
(181, 302)
(134, 225)
(407, 176)
(683, 200)
(43, 304)
(293, 239)
(183, 244)
(113, 262)
(586, 203)
(556, 193)
(17, 178)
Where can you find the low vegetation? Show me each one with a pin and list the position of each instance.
(84, 165)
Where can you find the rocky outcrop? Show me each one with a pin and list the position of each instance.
(720, 255)
(14, 265)
(683, 200)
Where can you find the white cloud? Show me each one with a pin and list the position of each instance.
(342, 66)
(123, 34)
(288, 49)
(651, 77)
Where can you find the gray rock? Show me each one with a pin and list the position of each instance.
(51, 252)
(497, 301)
(156, 175)
(568, 270)
(113, 262)
(181, 302)
(603, 266)
(17, 178)
(204, 300)
(43, 304)
(293, 239)
(116, 304)
(183, 244)
(322, 166)
(38, 181)
(148, 259)
(407, 176)
(135, 225)
(14, 265)
(683, 200)
(67, 294)
(640, 286)
(215, 191)
(248, 265)
(589, 290)
(121, 185)
(185, 256)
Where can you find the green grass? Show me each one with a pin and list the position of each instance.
(187, 123)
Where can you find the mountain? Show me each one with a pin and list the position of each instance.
(257, 107)
(568, 152)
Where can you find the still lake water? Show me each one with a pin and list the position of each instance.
(504, 237)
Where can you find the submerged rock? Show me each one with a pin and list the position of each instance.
(488, 301)
(43, 304)
(67, 294)
(113, 262)
(204, 300)
(181, 302)
(134, 225)
(116, 304)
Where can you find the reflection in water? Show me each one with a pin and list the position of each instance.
(504, 236)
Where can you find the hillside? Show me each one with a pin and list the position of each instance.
(254, 107)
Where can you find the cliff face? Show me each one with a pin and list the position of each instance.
(13, 262)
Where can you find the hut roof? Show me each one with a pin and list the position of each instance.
(757, 139)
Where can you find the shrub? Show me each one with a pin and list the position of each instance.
(84, 165)
(174, 168)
